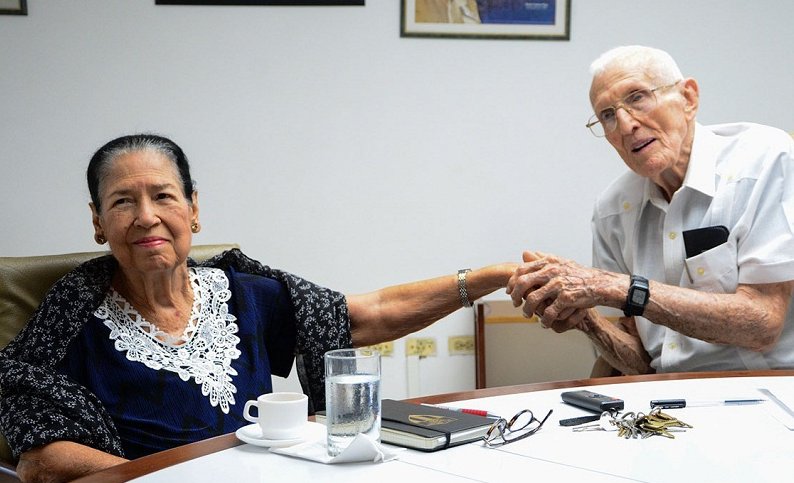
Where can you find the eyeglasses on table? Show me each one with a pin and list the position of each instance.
(522, 425)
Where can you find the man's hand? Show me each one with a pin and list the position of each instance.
(563, 293)
(557, 290)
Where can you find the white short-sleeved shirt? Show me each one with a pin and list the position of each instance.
(740, 176)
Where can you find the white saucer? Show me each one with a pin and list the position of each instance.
(252, 434)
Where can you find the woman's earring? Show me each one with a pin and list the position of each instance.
(195, 227)
(100, 239)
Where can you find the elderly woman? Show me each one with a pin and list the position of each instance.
(144, 350)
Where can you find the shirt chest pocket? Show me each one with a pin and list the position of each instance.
(714, 270)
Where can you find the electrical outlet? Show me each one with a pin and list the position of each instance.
(461, 345)
(386, 349)
(420, 346)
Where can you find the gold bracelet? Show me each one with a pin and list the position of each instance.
(464, 295)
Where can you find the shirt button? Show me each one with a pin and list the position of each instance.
(672, 346)
(701, 271)
(672, 235)
(626, 206)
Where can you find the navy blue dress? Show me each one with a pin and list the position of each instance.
(155, 409)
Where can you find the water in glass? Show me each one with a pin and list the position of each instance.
(353, 406)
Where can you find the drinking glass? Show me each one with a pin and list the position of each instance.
(352, 396)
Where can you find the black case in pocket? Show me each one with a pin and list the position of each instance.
(700, 240)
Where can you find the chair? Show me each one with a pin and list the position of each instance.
(511, 349)
(25, 280)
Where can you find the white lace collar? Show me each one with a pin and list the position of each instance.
(204, 351)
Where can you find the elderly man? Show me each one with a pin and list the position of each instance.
(695, 243)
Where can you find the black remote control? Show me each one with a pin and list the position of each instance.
(592, 401)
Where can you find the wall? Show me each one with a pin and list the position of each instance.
(327, 145)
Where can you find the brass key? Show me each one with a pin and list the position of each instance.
(667, 420)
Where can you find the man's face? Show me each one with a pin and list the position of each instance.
(654, 144)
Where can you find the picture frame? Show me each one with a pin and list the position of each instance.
(261, 2)
(487, 19)
(13, 7)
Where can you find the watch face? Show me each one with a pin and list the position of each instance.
(638, 297)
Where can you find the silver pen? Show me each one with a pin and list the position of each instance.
(683, 403)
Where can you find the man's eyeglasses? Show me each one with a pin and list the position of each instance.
(520, 426)
(637, 102)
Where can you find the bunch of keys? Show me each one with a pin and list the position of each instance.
(636, 425)
(658, 423)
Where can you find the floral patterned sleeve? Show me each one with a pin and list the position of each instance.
(38, 405)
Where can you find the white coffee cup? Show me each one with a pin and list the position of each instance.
(281, 415)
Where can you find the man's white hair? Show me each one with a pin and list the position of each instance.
(658, 64)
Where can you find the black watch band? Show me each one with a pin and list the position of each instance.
(637, 298)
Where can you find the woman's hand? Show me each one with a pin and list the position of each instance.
(63, 461)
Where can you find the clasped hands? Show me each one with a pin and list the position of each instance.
(559, 291)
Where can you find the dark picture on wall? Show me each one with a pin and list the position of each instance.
(260, 2)
(13, 7)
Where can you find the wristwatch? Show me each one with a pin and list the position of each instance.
(637, 298)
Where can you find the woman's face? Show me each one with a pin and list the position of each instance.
(145, 216)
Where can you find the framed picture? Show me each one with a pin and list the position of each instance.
(13, 7)
(487, 19)
(258, 2)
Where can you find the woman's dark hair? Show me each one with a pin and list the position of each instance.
(102, 160)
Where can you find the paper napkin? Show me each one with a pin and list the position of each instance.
(362, 448)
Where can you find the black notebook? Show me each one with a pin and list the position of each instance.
(428, 428)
